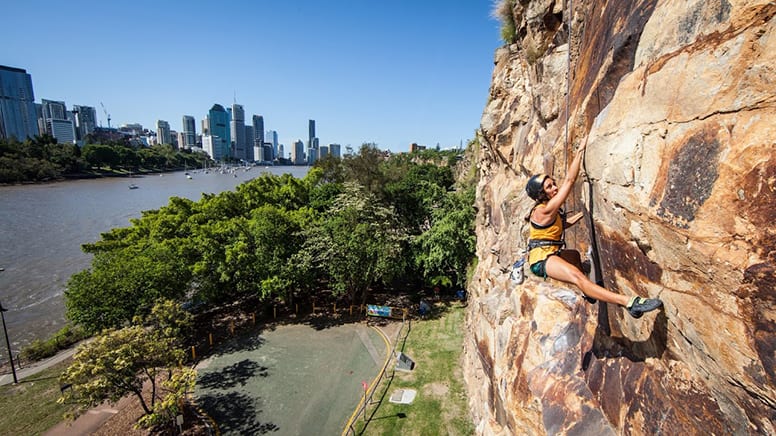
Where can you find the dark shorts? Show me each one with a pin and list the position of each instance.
(539, 268)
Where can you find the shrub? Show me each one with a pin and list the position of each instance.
(502, 11)
(65, 337)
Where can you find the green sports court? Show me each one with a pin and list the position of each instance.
(291, 379)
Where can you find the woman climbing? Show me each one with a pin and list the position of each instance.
(547, 222)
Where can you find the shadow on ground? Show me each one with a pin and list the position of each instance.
(233, 375)
(235, 413)
(248, 340)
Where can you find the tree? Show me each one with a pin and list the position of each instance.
(125, 282)
(357, 244)
(364, 168)
(101, 155)
(118, 363)
(444, 251)
(168, 321)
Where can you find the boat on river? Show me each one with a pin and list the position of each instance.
(133, 186)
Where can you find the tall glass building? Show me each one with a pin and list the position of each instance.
(298, 153)
(258, 130)
(237, 130)
(310, 132)
(85, 120)
(18, 117)
(163, 134)
(271, 136)
(249, 149)
(189, 132)
(57, 121)
(219, 127)
(334, 150)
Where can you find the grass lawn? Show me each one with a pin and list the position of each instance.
(441, 405)
(30, 407)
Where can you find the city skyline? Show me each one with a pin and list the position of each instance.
(391, 74)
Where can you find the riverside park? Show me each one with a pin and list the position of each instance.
(292, 377)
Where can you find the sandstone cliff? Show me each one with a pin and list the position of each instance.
(677, 103)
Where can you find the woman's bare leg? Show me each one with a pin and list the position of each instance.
(558, 269)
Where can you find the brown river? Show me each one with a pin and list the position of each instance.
(43, 226)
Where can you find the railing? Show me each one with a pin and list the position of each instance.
(350, 427)
(18, 362)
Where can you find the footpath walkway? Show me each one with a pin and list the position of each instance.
(90, 421)
(37, 367)
(87, 423)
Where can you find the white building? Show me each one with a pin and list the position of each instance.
(214, 146)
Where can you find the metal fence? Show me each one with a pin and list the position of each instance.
(367, 400)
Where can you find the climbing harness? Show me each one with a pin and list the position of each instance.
(535, 243)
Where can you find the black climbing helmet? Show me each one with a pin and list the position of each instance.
(535, 186)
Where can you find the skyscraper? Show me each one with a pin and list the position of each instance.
(312, 156)
(57, 121)
(85, 121)
(181, 139)
(272, 138)
(311, 132)
(18, 117)
(334, 150)
(189, 131)
(237, 130)
(249, 148)
(298, 154)
(258, 130)
(163, 135)
(56, 110)
(219, 128)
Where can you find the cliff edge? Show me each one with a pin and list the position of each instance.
(677, 102)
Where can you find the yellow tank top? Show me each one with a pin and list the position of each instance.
(552, 231)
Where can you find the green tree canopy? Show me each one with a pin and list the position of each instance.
(357, 244)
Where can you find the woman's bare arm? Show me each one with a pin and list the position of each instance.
(544, 214)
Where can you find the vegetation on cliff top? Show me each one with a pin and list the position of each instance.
(502, 11)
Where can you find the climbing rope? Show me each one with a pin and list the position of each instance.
(568, 94)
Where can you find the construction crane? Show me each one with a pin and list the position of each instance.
(107, 115)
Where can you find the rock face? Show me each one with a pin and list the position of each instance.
(677, 103)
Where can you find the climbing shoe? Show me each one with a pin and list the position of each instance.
(517, 275)
(638, 306)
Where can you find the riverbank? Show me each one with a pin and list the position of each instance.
(45, 225)
(98, 174)
(103, 173)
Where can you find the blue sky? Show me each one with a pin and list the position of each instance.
(391, 73)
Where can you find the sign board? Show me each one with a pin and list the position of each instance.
(404, 363)
(375, 310)
(403, 396)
